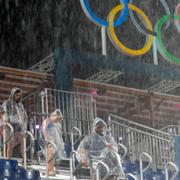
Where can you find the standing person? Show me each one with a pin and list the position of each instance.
(100, 146)
(52, 132)
(2, 113)
(17, 117)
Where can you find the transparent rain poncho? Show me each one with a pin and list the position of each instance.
(54, 132)
(94, 147)
(55, 135)
(15, 114)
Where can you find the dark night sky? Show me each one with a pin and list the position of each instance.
(26, 31)
(32, 29)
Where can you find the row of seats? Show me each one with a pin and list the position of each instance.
(9, 170)
(150, 174)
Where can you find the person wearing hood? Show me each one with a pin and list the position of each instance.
(101, 146)
(17, 117)
(52, 131)
(2, 113)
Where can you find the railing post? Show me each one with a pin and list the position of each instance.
(125, 150)
(46, 154)
(72, 162)
(25, 158)
(174, 167)
(141, 163)
(26, 149)
(131, 175)
(4, 137)
(97, 170)
(4, 141)
(74, 129)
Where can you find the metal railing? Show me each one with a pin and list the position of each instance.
(6, 139)
(171, 129)
(124, 150)
(73, 156)
(73, 139)
(78, 109)
(46, 143)
(142, 170)
(26, 149)
(141, 127)
(158, 145)
(98, 170)
(131, 175)
(72, 104)
(173, 166)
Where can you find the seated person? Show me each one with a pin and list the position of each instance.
(52, 132)
(100, 146)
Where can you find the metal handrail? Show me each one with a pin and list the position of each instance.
(46, 143)
(140, 125)
(97, 169)
(175, 127)
(124, 149)
(26, 149)
(5, 141)
(141, 165)
(174, 167)
(12, 131)
(131, 175)
(32, 140)
(72, 137)
(74, 93)
(146, 133)
(134, 138)
(169, 126)
(72, 162)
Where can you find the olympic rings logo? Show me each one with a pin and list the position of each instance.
(128, 8)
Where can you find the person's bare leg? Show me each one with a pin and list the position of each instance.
(51, 162)
(10, 148)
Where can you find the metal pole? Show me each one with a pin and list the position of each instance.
(103, 39)
(155, 58)
(71, 168)
(46, 153)
(4, 141)
(42, 101)
(141, 169)
(97, 174)
(24, 142)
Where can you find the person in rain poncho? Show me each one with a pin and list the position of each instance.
(17, 117)
(52, 132)
(2, 113)
(100, 146)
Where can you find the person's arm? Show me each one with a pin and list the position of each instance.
(6, 109)
(25, 119)
(111, 143)
(83, 151)
(45, 129)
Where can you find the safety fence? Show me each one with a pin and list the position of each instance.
(139, 138)
(78, 109)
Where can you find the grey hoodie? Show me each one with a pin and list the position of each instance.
(15, 113)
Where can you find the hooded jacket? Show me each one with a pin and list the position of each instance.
(15, 113)
(94, 147)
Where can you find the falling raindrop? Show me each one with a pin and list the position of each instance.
(7, 4)
(23, 24)
(17, 3)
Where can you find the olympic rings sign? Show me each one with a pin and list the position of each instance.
(111, 24)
